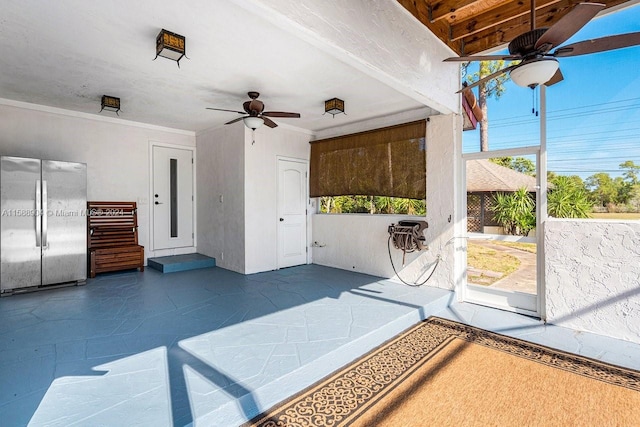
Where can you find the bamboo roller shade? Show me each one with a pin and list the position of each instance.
(390, 161)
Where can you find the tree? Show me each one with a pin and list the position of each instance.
(568, 198)
(630, 186)
(631, 171)
(502, 161)
(410, 206)
(520, 164)
(524, 165)
(492, 88)
(603, 188)
(350, 204)
(634, 198)
(384, 204)
(574, 180)
(372, 205)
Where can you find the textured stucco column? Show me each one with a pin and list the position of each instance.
(443, 143)
(592, 273)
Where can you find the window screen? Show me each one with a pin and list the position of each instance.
(389, 161)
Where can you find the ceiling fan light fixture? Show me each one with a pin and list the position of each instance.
(253, 123)
(534, 73)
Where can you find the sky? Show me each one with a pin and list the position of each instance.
(593, 116)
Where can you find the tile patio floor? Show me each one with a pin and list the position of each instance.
(212, 347)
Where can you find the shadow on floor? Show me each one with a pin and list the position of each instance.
(225, 332)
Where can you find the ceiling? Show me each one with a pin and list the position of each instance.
(473, 26)
(67, 54)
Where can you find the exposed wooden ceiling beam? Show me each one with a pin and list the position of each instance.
(507, 31)
(494, 18)
(441, 9)
(493, 37)
(474, 10)
(469, 27)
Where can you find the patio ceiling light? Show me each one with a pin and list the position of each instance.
(170, 45)
(110, 103)
(334, 106)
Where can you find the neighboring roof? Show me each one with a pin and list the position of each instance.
(486, 176)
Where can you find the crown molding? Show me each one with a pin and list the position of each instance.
(88, 116)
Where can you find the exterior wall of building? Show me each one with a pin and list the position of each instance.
(592, 273)
(358, 242)
(261, 190)
(221, 202)
(117, 152)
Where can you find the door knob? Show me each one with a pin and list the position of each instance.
(281, 219)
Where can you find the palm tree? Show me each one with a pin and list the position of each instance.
(492, 88)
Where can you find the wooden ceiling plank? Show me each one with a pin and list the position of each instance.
(494, 18)
(441, 9)
(494, 37)
(476, 26)
(475, 9)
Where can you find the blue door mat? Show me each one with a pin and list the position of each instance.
(173, 263)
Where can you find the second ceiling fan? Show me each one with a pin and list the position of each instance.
(254, 114)
(534, 48)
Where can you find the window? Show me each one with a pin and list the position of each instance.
(373, 167)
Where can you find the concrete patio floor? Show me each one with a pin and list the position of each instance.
(212, 347)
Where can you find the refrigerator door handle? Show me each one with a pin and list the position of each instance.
(38, 215)
(45, 200)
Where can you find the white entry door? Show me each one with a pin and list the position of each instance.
(172, 198)
(292, 213)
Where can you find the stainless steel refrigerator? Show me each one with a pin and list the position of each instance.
(43, 240)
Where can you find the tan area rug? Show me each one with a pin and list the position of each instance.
(443, 373)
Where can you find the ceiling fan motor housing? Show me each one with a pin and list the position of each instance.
(524, 44)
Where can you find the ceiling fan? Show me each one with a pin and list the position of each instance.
(537, 63)
(254, 114)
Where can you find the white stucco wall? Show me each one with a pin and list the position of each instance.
(378, 37)
(358, 242)
(241, 230)
(221, 201)
(116, 151)
(592, 275)
(260, 190)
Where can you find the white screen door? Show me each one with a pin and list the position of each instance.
(172, 198)
(292, 213)
(502, 200)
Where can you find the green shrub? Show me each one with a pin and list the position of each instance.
(568, 200)
(515, 212)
